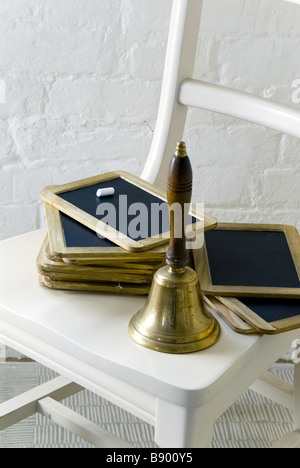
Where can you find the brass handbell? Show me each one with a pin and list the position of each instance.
(174, 319)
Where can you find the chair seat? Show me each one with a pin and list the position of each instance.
(84, 337)
(92, 328)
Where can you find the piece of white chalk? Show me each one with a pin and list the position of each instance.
(106, 192)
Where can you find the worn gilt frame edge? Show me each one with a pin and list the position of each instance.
(238, 317)
(50, 195)
(203, 270)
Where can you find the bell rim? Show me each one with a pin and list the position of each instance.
(171, 345)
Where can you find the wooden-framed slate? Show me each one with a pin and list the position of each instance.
(57, 270)
(55, 274)
(250, 260)
(78, 201)
(123, 289)
(74, 243)
(257, 315)
(237, 323)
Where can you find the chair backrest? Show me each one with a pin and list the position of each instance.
(181, 91)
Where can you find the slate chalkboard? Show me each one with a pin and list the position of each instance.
(137, 206)
(78, 235)
(74, 242)
(250, 315)
(241, 260)
(250, 258)
(271, 309)
(85, 198)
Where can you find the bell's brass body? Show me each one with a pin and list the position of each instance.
(174, 319)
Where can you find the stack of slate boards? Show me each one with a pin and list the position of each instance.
(110, 245)
(250, 275)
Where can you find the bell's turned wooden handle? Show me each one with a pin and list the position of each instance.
(179, 194)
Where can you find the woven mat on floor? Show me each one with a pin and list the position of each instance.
(251, 422)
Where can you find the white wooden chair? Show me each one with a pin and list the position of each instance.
(180, 91)
(84, 336)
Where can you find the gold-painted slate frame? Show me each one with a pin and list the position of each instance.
(115, 285)
(122, 289)
(235, 322)
(58, 270)
(51, 196)
(245, 321)
(202, 267)
(92, 255)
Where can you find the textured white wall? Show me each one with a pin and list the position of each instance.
(83, 83)
(246, 172)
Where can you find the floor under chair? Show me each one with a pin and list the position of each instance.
(252, 422)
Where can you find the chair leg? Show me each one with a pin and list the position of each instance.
(25, 405)
(179, 427)
(297, 397)
(292, 439)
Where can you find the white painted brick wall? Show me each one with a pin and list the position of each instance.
(83, 85)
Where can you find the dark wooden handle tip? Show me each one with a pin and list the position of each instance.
(179, 194)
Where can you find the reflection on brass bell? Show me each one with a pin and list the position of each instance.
(174, 319)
